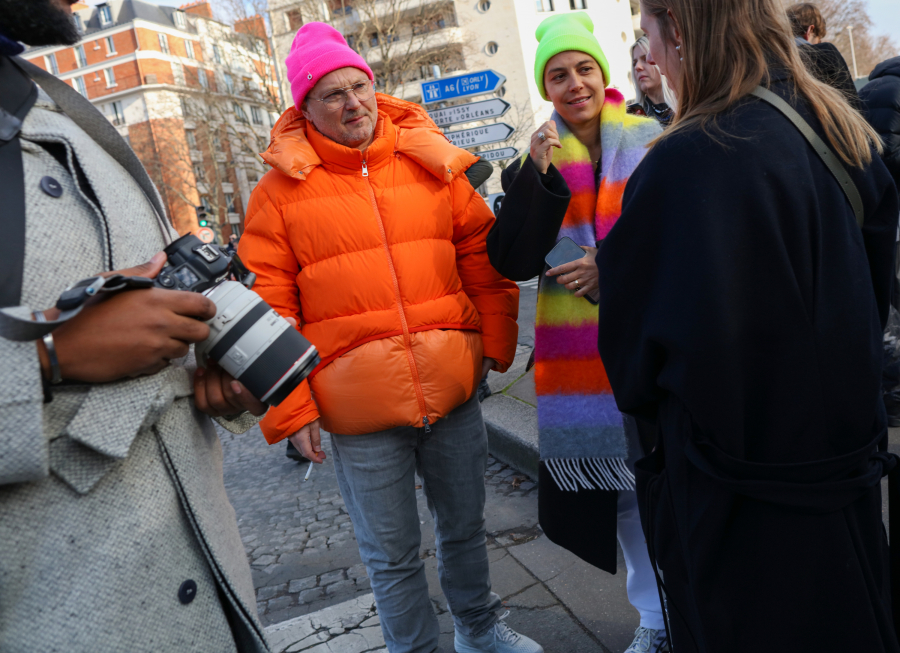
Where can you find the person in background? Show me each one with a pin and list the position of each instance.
(116, 533)
(822, 59)
(881, 107)
(741, 315)
(652, 95)
(368, 232)
(570, 185)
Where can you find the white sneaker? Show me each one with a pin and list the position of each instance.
(647, 640)
(499, 639)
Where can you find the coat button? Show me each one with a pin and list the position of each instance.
(187, 591)
(52, 187)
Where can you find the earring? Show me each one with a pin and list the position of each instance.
(678, 47)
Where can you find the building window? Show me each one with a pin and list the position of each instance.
(116, 113)
(578, 4)
(217, 142)
(239, 112)
(202, 78)
(229, 83)
(216, 54)
(191, 138)
(189, 48)
(178, 73)
(256, 115)
(105, 15)
(163, 43)
(341, 7)
(110, 77)
(273, 117)
(544, 5)
(179, 20)
(79, 85)
(294, 20)
(110, 46)
(262, 143)
(79, 24)
(185, 108)
(229, 202)
(80, 59)
(198, 173)
(204, 201)
(50, 63)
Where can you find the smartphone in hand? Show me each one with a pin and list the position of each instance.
(566, 251)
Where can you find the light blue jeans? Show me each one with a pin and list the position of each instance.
(376, 474)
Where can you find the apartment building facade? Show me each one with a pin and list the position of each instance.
(194, 97)
(464, 37)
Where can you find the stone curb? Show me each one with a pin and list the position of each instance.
(512, 432)
(511, 423)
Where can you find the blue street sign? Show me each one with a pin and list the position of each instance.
(450, 88)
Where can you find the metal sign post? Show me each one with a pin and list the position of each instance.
(451, 88)
(469, 112)
(484, 135)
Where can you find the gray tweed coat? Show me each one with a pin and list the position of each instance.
(111, 496)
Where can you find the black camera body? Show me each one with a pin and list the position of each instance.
(193, 265)
(247, 338)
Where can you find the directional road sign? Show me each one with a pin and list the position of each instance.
(469, 112)
(483, 135)
(450, 88)
(499, 155)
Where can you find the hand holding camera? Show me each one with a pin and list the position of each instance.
(129, 334)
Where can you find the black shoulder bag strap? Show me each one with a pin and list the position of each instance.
(19, 95)
(828, 157)
(95, 124)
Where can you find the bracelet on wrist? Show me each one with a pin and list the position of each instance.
(50, 346)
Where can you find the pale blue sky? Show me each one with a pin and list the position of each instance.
(885, 14)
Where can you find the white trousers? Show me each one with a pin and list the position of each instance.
(641, 581)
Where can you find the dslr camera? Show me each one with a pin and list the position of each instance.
(247, 338)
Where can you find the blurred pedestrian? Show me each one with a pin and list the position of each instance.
(881, 105)
(115, 530)
(652, 95)
(570, 185)
(741, 314)
(369, 233)
(823, 60)
(231, 247)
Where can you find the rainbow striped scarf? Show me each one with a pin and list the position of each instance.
(582, 437)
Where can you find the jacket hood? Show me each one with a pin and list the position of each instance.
(887, 67)
(291, 152)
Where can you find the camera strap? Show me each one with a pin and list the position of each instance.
(70, 302)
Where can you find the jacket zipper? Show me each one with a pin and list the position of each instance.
(407, 340)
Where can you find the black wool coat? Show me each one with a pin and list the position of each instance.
(828, 65)
(525, 231)
(742, 311)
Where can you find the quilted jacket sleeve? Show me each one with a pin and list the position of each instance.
(24, 453)
(495, 298)
(265, 250)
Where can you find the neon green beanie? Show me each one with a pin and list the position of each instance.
(564, 32)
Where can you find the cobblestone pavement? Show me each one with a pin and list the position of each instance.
(304, 561)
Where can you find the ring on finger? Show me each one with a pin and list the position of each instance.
(577, 284)
(542, 136)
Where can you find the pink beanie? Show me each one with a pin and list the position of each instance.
(318, 49)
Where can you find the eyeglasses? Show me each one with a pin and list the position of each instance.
(337, 98)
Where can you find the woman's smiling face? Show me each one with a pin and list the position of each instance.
(574, 83)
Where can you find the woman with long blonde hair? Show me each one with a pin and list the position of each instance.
(743, 292)
(652, 95)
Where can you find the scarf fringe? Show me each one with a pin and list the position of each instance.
(590, 473)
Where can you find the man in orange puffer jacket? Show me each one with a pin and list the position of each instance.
(369, 235)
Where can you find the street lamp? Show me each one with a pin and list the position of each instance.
(852, 51)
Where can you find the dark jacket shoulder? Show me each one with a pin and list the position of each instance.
(827, 64)
(881, 101)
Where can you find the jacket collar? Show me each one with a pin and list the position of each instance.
(297, 148)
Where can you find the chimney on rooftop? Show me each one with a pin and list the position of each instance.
(200, 8)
